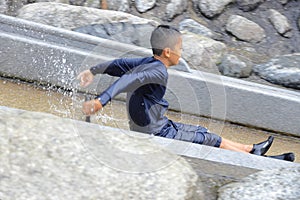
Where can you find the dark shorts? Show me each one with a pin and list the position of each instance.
(190, 133)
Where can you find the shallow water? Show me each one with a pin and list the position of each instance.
(17, 94)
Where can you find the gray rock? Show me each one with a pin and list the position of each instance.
(92, 4)
(128, 33)
(70, 17)
(118, 5)
(283, 70)
(267, 185)
(11, 7)
(77, 2)
(299, 23)
(280, 23)
(211, 8)
(47, 157)
(232, 66)
(245, 29)
(175, 7)
(3, 6)
(202, 53)
(283, 2)
(249, 5)
(194, 27)
(144, 5)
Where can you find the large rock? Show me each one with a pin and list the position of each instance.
(299, 23)
(144, 5)
(70, 17)
(92, 3)
(248, 5)
(118, 5)
(47, 157)
(3, 6)
(283, 2)
(280, 23)
(136, 34)
(202, 52)
(282, 70)
(245, 29)
(211, 8)
(194, 27)
(267, 185)
(10, 7)
(175, 7)
(77, 2)
(233, 66)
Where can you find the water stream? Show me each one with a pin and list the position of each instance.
(33, 97)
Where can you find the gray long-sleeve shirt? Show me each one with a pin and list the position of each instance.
(144, 80)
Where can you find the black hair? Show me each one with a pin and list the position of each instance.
(162, 37)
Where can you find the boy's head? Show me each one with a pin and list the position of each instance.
(166, 41)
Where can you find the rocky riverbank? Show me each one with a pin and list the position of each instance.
(228, 37)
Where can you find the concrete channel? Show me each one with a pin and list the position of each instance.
(41, 53)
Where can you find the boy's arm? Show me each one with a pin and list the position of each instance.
(117, 67)
(128, 82)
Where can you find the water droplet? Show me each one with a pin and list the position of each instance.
(64, 60)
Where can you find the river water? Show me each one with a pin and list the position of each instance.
(32, 97)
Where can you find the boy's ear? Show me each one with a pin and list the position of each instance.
(167, 52)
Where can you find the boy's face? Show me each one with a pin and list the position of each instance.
(175, 54)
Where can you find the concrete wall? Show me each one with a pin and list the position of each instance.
(37, 52)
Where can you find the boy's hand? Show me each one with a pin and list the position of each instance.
(91, 107)
(86, 77)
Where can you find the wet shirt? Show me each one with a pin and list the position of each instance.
(144, 80)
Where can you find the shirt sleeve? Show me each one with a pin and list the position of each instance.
(117, 67)
(129, 83)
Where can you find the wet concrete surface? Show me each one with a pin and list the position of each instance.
(32, 97)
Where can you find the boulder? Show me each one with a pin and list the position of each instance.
(268, 185)
(92, 4)
(70, 17)
(249, 5)
(299, 23)
(118, 5)
(136, 34)
(3, 6)
(46, 157)
(280, 23)
(233, 66)
(78, 2)
(144, 5)
(283, 2)
(10, 7)
(211, 8)
(283, 70)
(202, 52)
(175, 7)
(244, 29)
(194, 27)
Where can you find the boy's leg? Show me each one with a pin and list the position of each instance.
(200, 135)
(230, 145)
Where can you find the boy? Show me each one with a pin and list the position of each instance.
(145, 80)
